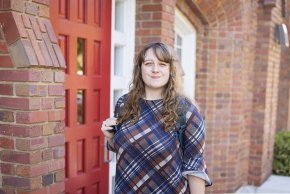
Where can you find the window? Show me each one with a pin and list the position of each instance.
(185, 46)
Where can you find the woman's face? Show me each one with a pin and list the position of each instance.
(155, 73)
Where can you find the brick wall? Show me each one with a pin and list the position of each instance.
(154, 22)
(31, 100)
(283, 113)
(266, 78)
(237, 75)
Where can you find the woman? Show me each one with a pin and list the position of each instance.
(150, 157)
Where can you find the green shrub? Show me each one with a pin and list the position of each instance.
(281, 163)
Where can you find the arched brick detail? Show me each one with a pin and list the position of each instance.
(31, 100)
(228, 86)
(225, 50)
(31, 40)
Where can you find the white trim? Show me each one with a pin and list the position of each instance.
(125, 40)
(188, 58)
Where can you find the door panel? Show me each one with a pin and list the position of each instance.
(84, 34)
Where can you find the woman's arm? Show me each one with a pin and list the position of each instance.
(196, 185)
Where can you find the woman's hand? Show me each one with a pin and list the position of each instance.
(107, 127)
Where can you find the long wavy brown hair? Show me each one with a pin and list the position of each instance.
(137, 90)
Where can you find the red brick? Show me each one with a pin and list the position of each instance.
(48, 128)
(10, 26)
(26, 90)
(57, 115)
(15, 156)
(151, 24)
(59, 55)
(35, 130)
(6, 143)
(19, 24)
(59, 76)
(35, 157)
(14, 130)
(45, 53)
(3, 47)
(35, 27)
(50, 50)
(6, 89)
(50, 32)
(56, 165)
(59, 102)
(34, 76)
(47, 103)
(29, 51)
(22, 53)
(17, 5)
(45, 2)
(47, 179)
(20, 103)
(36, 48)
(6, 116)
(58, 152)
(56, 140)
(32, 170)
(57, 188)
(43, 190)
(5, 5)
(47, 154)
(26, 21)
(31, 144)
(47, 76)
(31, 8)
(16, 182)
(59, 176)
(21, 131)
(41, 22)
(152, 8)
(6, 61)
(35, 183)
(7, 190)
(7, 168)
(59, 127)
(31, 117)
(44, 11)
(56, 90)
(144, 16)
(20, 75)
(42, 90)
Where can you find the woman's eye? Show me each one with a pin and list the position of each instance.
(148, 63)
(163, 64)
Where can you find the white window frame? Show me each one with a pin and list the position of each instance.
(120, 83)
(188, 57)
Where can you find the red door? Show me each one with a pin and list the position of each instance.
(83, 28)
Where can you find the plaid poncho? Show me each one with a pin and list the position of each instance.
(149, 160)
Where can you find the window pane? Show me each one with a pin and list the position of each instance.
(119, 16)
(179, 53)
(118, 60)
(81, 57)
(179, 40)
(81, 106)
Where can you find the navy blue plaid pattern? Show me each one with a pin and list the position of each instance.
(149, 160)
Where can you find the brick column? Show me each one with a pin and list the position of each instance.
(265, 92)
(283, 110)
(31, 100)
(154, 22)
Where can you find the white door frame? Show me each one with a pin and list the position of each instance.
(188, 55)
(122, 55)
